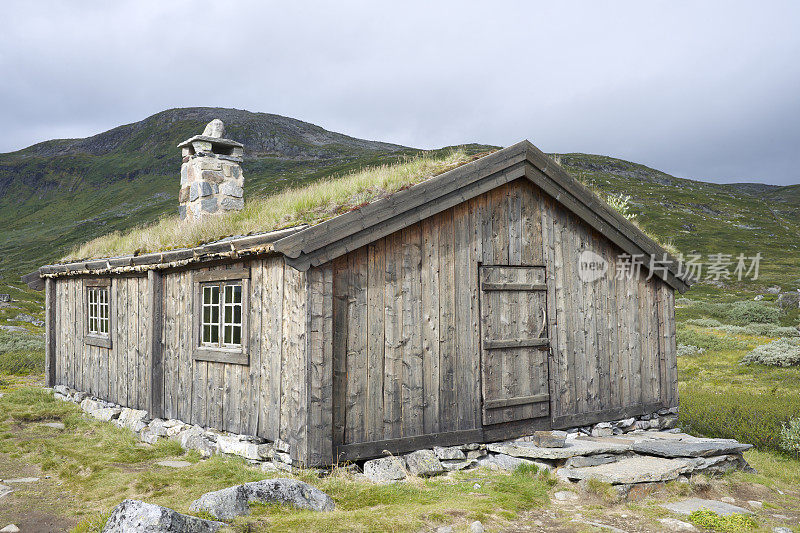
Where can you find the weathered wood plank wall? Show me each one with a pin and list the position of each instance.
(406, 321)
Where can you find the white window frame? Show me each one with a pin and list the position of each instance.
(98, 312)
(220, 316)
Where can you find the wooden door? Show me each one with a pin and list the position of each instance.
(514, 343)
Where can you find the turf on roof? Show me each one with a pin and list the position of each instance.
(310, 204)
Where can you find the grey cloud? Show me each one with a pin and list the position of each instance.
(705, 90)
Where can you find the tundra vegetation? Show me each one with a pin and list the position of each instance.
(729, 386)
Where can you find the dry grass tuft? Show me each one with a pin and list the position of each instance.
(310, 204)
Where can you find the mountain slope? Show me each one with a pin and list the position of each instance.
(57, 194)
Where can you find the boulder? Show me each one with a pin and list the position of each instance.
(385, 469)
(452, 453)
(789, 300)
(690, 448)
(690, 505)
(134, 516)
(61, 389)
(572, 448)
(10, 528)
(423, 463)
(231, 502)
(550, 439)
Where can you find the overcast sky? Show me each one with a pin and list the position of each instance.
(707, 90)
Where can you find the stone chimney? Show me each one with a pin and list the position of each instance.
(211, 175)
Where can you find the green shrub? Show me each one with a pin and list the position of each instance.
(747, 312)
(708, 519)
(790, 436)
(709, 341)
(761, 330)
(738, 313)
(21, 354)
(704, 322)
(751, 417)
(688, 350)
(781, 352)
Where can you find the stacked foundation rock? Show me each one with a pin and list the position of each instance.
(270, 456)
(634, 455)
(211, 175)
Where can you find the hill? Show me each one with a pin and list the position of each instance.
(57, 194)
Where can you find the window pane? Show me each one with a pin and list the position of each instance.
(237, 294)
(228, 314)
(228, 294)
(215, 314)
(228, 335)
(214, 333)
(237, 335)
(237, 314)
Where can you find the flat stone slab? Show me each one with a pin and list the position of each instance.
(174, 464)
(630, 470)
(56, 425)
(687, 448)
(22, 480)
(572, 448)
(690, 505)
(4, 490)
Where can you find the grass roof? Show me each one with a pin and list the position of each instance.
(310, 204)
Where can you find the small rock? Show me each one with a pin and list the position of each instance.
(268, 468)
(549, 439)
(502, 462)
(215, 128)
(472, 447)
(55, 425)
(174, 464)
(88, 405)
(22, 480)
(451, 453)
(10, 528)
(385, 469)
(673, 524)
(232, 444)
(281, 446)
(444, 529)
(690, 505)
(451, 466)
(565, 496)
(728, 499)
(755, 504)
(195, 438)
(476, 527)
(582, 461)
(141, 517)
(133, 419)
(61, 389)
(423, 463)
(603, 429)
(227, 504)
(475, 454)
(781, 530)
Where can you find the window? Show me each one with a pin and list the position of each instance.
(222, 314)
(98, 312)
(220, 330)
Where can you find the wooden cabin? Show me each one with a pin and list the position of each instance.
(454, 311)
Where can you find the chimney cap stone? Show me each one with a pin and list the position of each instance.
(215, 128)
(215, 140)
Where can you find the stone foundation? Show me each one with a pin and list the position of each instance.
(632, 454)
